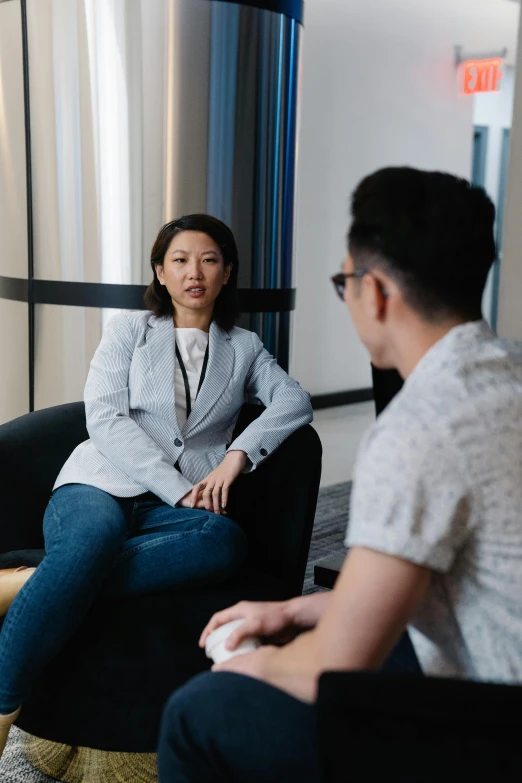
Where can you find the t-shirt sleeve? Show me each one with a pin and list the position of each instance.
(410, 498)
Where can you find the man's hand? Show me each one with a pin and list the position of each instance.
(269, 619)
(276, 621)
(212, 491)
(255, 664)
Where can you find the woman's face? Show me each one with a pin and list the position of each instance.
(193, 271)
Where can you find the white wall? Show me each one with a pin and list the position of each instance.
(510, 295)
(379, 88)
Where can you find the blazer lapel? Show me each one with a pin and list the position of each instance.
(217, 378)
(161, 347)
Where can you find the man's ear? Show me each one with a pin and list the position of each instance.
(159, 273)
(377, 295)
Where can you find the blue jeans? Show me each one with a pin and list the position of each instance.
(98, 544)
(222, 727)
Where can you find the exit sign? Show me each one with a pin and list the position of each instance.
(482, 75)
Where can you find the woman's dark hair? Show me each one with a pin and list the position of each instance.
(432, 232)
(157, 298)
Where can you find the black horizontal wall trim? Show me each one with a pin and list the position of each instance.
(341, 398)
(292, 8)
(14, 288)
(130, 297)
(125, 297)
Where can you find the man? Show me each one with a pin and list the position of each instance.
(435, 531)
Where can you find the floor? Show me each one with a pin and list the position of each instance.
(341, 430)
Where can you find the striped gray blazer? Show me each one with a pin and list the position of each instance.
(135, 440)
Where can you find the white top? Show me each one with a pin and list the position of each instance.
(438, 482)
(192, 344)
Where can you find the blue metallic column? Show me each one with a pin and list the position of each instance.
(254, 66)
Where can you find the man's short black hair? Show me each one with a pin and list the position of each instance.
(432, 232)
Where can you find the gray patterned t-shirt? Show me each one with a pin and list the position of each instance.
(438, 481)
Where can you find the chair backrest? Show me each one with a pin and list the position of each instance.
(406, 727)
(386, 384)
(33, 449)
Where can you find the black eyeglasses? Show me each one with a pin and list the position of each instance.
(339, 280)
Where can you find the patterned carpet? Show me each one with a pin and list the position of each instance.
(13, 766)
(331, 519)
(327, 539)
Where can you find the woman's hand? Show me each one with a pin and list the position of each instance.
(212, 491)
(186, 501)
(269, 619)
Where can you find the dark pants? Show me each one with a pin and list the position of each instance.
(227, 727)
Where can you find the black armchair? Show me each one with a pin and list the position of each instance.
(107, 687)
(405, 728)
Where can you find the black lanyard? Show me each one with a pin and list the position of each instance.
(185, 377)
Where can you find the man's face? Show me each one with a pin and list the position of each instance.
(353, 297)
(365, 299)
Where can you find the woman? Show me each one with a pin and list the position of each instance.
(141, 506)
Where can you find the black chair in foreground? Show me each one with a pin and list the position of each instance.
(106, 689)
(410, 729)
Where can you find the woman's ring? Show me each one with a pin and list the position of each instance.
(202, 486)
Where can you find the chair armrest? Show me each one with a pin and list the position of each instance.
(33, 449)
(276, 506)
(374, 726)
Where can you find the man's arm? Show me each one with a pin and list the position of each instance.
(374, 598)
(411, 510)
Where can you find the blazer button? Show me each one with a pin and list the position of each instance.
(178, 443)
(263, 452)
